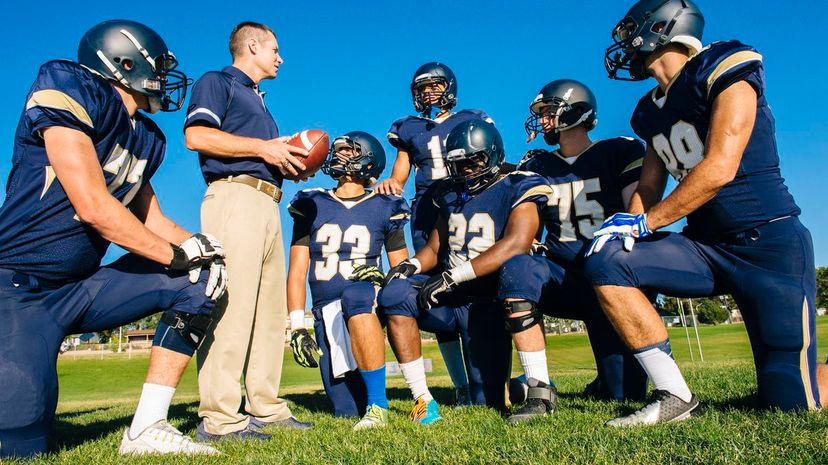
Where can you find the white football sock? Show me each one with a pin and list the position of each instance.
(153, 406)
(534, 365)
(414, 374)
(664, 372)
(456, 366)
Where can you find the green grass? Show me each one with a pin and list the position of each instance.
(98, 397)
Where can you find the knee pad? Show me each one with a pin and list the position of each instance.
(181, 332)
(521, 323)
(358, 299)
(398, 298)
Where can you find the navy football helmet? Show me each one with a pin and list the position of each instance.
(474, 153)
(430, 73)
(566, 103)
(356, 154)
(647, 27)
(137, 57)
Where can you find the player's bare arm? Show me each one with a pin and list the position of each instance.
(397, 256)
(650, 188)
(217, 143)
(429, 255)
(146, 208)
(298, 276)
(72, 155)
(523, 225)
(399, 174)
(731, 124)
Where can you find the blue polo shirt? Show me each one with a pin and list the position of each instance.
(229, 100)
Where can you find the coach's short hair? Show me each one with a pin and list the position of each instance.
(243, 32)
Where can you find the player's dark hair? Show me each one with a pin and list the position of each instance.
(244, 31)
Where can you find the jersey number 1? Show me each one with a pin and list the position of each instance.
(438, 171)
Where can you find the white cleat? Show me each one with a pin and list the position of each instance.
(664, 407)
(163, 438)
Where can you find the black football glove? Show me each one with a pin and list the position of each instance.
(369, 273)
(433, 287)
(404, 269)
(304, 348)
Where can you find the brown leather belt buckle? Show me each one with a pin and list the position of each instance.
(271, 190)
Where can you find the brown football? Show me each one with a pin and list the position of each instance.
(316, 142)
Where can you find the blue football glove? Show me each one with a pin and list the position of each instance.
(620, 226)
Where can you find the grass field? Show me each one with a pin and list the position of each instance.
(98, 397)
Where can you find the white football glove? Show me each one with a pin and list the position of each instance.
(198, 251)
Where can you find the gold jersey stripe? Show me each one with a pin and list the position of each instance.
(729, 63)
(400, 216)
(51, 98)
(537, 190)
(50, 178)
(633, 165)
(804, 369)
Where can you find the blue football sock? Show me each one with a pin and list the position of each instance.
(375, 384)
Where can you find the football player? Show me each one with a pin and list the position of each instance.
(338, 236)
(590, 180)
(80, 180)
(420, 142)
(485, 219)
(707, 123)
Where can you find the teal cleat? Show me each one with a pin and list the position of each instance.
(425, 413)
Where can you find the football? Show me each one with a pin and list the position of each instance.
(316, 142)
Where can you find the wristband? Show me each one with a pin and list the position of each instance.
(462, 273)
(418, 266)
(297, 319)
(179, 260)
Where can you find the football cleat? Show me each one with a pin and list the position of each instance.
(541, 399)
(425, 413)
(163, 438)
(663, 408)
(375, 417)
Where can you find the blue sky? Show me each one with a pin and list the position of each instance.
(348, 66)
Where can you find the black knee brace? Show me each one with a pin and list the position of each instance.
(521, 323)
(192, 328)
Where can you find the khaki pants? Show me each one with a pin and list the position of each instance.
(247, 336)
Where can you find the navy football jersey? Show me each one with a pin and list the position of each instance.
(586, 190)
(343, 233)
(425, 141)
(476, 222)
(40, 234)
(675, 125)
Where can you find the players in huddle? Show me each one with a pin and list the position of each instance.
(485, 218)
(338, 236)
(420, 142)
(590, 180)
(706, 123)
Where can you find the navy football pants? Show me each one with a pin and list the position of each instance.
(486, 344)
(347, 394)
(35, 318)
(769, 271)
(565, 293)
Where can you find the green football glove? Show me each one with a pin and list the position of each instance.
(304, 348)
(368, 273)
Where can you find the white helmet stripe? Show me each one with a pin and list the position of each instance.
(112, 68)
(139, 47)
